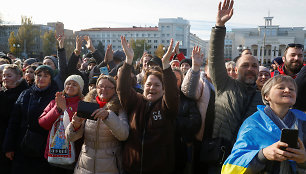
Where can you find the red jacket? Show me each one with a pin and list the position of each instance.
(50, 115)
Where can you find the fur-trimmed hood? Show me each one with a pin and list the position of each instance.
(113, 105)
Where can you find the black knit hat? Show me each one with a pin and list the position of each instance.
(156, 61)
(186, 61)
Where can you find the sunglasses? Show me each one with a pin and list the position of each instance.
(293, 45)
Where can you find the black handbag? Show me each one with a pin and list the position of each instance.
(33, 144)
(85, 109)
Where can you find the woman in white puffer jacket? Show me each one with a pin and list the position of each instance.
(101, 150)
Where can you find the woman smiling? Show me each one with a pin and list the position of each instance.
(258, 148)
(150, 146)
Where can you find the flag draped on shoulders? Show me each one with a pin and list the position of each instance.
(257, 132)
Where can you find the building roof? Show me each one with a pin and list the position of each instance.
(123, 29)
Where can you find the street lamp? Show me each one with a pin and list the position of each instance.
(17, 46)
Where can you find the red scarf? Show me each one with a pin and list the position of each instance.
(102, 102)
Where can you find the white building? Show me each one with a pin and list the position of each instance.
(266, 42)
(176, 28)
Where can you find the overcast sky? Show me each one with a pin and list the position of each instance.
(82, 14)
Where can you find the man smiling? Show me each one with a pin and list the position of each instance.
(293, 60)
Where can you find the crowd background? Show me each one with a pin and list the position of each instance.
(171, 115)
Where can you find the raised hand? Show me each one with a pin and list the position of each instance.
(109, 54)
(60, 39)
(225, 12)
(128, 50)
(169, 53)
(78, 45)
(89, 44)
(177, 49)
(60, 101)
(197, 58)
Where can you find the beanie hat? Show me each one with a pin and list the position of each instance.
(77, 79)
(30, 61)
(54, 60)
(93, 80)
(92, 60)
(45, 68)
(119, 55)
(262, 68)
(186, 61)
(278, 60)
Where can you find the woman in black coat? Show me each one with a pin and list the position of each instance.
(24, 117)
(13, 85)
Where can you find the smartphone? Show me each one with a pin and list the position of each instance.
(290, 136)
(85, 109)
(104, 70)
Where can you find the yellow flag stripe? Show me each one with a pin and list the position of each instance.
(230, 168)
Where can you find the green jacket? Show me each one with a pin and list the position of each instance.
(235, 101)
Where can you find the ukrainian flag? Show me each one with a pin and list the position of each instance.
(257, 132)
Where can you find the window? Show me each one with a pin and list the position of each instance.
(155, 35)
(163, 35)
(155, 46)
(163, 41)
(114, 40)
(255, 52)
(149, 35)
(143, 35)
(155, 41)
(149, 41)
(136, 35)
(168, 35)
(114, 47)
(168, 41)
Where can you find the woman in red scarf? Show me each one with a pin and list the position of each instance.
(101, 151)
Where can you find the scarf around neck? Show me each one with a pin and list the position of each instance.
(102, 102)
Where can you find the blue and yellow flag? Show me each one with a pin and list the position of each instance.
(257, 132)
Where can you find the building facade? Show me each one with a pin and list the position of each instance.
(266, 42)
(36, 49)
(176, 28)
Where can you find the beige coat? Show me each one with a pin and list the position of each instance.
(101, 151)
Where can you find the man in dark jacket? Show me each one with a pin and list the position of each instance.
(293, 61)
(301, 92)
(235, 99)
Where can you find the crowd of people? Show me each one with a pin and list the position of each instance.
(170, 115)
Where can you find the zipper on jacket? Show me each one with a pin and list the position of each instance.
(142, 145)
(96, 144)
(143, 135)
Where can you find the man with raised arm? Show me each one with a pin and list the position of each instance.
(235, 99)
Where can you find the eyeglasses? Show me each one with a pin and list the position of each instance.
(106, 87)
(293, 45)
